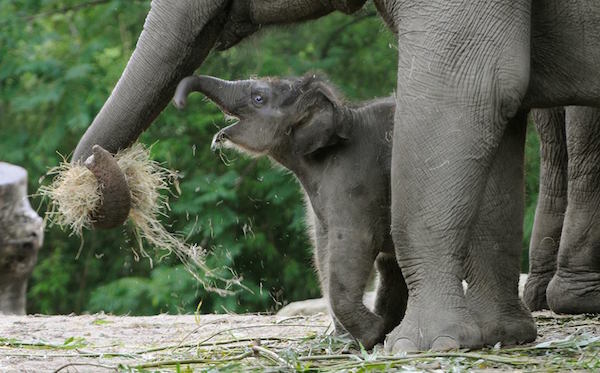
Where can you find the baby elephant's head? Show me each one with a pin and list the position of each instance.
(294, 116)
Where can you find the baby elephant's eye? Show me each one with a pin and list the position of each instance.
(258, 99)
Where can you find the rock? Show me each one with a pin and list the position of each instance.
(319, 305)
(21, 235)
(304, 308)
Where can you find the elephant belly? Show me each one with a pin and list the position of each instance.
(565, 55)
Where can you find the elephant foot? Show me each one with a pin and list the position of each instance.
(390, 322)
(338, 329)
(428, 328)
(574, 293)
(510, 326)
(391, 309)
(370, 334)
(373, 337)
(534, 293)
(371, 331)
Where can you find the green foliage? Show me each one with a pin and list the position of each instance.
(168, 290)
(50, 280)
(532, 182)
(59, 60)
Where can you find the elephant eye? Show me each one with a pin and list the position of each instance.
(258, 99)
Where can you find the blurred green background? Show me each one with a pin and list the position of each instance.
(59, 60)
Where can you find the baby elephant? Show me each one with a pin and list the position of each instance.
(340, 154)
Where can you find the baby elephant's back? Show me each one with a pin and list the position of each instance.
(376, 133)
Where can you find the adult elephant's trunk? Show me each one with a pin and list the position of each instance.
(177, 37)
(230, 96)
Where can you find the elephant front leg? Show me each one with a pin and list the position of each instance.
(351, 257)
(321, 259)
(575, 287)
(463, 70)
(551, 205)
(392, 294)
(494, 251)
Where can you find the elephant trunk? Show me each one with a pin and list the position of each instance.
(230, 96)
(177, 37)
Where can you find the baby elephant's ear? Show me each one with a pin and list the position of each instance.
(323, 125)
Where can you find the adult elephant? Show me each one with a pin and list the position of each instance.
(468, 71)
(565, 234)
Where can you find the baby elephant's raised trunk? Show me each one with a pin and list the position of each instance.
(230, 96)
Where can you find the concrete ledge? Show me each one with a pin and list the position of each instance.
(319, 305)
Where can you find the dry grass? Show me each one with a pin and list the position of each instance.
(74, 195)
(253, 343)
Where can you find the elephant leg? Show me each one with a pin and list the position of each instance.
(351, 257)
(463, 70)
(575, 287)
(321, 259)
(492, 294)
(392, 294)
(551, 205)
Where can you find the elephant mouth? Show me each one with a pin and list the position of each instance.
(230, 119)
(222, 139)
(218, 141)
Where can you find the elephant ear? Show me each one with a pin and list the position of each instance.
(321, 125)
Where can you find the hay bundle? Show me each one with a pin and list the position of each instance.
(74, 195)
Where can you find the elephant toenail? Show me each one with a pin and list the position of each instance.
(403, 345)
(444, 343)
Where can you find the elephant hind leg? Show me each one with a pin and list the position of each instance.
(574, 292)
(392, 294)
(351, 257)
(494, 251)
(575, 287)
(551, 206)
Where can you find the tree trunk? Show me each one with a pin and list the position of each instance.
(21, 235)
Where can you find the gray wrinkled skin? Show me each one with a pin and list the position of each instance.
(468, 71)
(466, 76)
(564, 256)
(340, 154)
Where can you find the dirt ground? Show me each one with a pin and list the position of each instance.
(39, 343)
(96, 338)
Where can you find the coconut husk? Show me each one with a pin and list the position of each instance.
(74, 195)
